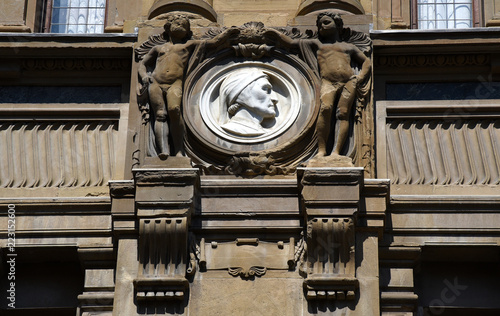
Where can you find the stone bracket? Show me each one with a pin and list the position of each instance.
(330, 244)
(164, 202)
(331, 199)
(122, 206)
(163, 250)
(334, 287)
(161, 289)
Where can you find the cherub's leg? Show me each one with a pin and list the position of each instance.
(174, 100)
(160, 125)
(323, 125)
(344, 107)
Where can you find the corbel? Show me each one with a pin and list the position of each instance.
(330, 201)
(165, 199)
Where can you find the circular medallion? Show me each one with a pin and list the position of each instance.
(236, 105)
(253, 89)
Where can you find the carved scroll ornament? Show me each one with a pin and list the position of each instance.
(247, 257)
(330, 259)
(163, 259)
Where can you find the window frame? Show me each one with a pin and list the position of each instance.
(476, 16)
(45, 23)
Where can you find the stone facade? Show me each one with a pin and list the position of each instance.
(291, 157)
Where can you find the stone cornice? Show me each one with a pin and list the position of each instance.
(464, 40)
(81, 45)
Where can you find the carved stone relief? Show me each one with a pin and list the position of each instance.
(247, 257)
(331, 261)
(57, 154)
(162, 259)
(234, 108)
(331, 198)
(164, 201)
(163, 62)
(225, 115)
(341, 60)
(248, 98)
(439, 145)
(333, 246)
(254, 100)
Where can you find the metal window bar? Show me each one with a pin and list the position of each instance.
(430, 14)
(73, 16)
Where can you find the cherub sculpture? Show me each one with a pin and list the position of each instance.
(337, 56)
(162, 72)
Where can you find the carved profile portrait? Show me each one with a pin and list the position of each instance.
(248, 97)
(248, 104)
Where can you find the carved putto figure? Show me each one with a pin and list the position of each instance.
(249, 98)
(340, 84)
(161, 73)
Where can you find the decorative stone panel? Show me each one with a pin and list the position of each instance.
(49, 147)
(440, 143)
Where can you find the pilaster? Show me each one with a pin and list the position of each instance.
(99, 286)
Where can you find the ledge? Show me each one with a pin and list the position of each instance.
(9, 36)
(462, 40)
(78, 43)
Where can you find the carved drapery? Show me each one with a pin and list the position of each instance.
(57, 154)
(440, 145)
(444, 152)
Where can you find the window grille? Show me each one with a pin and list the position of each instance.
(444, 14)
(77, 16)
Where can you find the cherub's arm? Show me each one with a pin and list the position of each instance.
(363, 61)
(143, 65)
(223, 37)
(288, 42)
(275, 35)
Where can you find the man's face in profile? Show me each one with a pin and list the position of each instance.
(260, 98)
